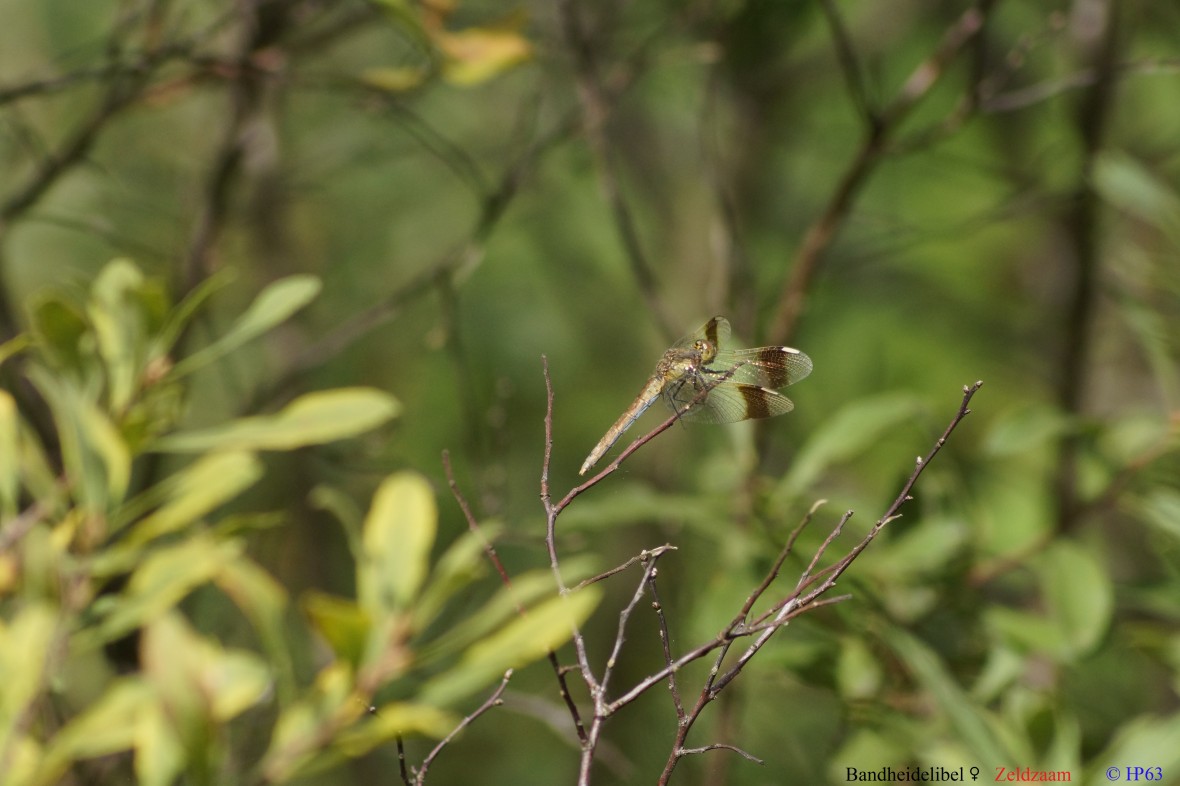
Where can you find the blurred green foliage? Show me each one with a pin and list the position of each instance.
(328, 201)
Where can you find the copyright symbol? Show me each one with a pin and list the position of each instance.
(1112, 773)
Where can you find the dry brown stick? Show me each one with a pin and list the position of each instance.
(823, 230)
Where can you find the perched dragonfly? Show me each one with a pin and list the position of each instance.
(708, 384)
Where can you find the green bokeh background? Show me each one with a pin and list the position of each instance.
(956, 261)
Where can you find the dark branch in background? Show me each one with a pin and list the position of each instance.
(880, 126)
(597, 99)
(262, 27)
(453, 267)
(1101, 49)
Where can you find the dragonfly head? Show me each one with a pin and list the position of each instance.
(706, 350)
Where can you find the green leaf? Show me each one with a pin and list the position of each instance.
(390, 721)
(1026, 429)
(1023, 631)
(1130, 186)
(264, 601)
(1144, 741)
(858, 674)
(97, 460)
(60, 329)
(296, 746)
(9, 453)
(844, 436)
(201, 682)
(501, 607)
(159, 753)
(105, 441)
(463, 562)
(109, 726)
(344, 508)
(312, 419)
(13, 347)
(274, 305)
(398, 535)
(25, 642)
(162, 580)
(395, 80)
(521, 641)
(179, 317)
(970, 722)
(1160, 507)
(342, 623)
(121, 302)
(197, 490)
(1079, 596)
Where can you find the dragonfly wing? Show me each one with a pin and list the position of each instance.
(728, 402)
(716, 331)
(771, 367)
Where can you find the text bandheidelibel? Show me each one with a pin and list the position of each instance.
(904, 775)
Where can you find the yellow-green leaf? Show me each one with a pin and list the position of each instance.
(502, 607)
(396, 719)
(109, 726)
(395, 80)
(24, 649)
(398, 536)
(201, 682)
(163, 579)
(264, 601)
(295, 747)
(478, 54)
(273, 306)
(342, 623)
(197, 490)
(312, 419)
(117, 317)
(159, 753)
(521, 641)
(9, 450)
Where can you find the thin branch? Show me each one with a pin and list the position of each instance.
(401, 761)
(506, 580)
(492, 701)
(791, 606)
(642, 556)
(666, 645)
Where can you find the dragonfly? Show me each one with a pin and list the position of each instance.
(704, 383)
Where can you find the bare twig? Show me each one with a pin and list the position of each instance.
(795, 603)
(492, 701)
(666, 645)
(401, 762)
(506, 580)
(642, 556)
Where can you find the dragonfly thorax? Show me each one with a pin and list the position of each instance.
(686, 360)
